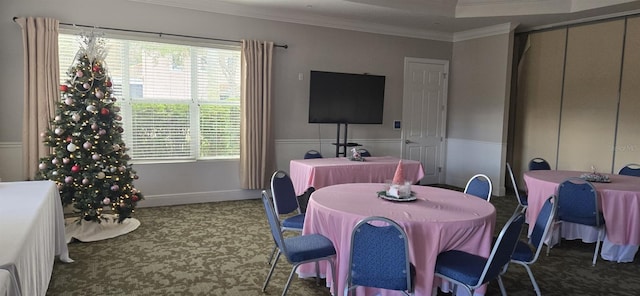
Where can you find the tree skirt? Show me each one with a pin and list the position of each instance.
(89, 231)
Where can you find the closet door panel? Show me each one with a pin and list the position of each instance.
(590, 99)
(627, 148)
(539, 94)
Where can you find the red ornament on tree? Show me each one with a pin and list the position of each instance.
(96, 68)
(108, 83)
(69, 139)
(75, 168)
(64, 88)
(104, 111)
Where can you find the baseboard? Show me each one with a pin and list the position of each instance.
(197, 197)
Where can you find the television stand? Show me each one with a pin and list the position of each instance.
(344, 144)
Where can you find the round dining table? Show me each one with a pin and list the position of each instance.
(619, 201)
(437, 220)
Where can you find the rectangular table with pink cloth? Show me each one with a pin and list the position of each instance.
(31, 235)
(321, 172)
(439, 220)
(619, 202)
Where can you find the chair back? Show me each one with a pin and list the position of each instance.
(480, 186)
(364, 152)
(379, 255)
(538, 164)
(285, 200)
(578, 202)
(503, 248)
(515, 185)
(312, 154)
(274, 223)
(631, 169)
(543, 223)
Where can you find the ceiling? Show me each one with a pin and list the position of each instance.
(431, 19)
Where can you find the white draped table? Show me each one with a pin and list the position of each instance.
(31, 235)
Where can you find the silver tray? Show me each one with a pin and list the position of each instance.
(383, 195)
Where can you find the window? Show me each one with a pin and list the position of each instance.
(177, 101)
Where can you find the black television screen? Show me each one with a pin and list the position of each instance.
(346, 98)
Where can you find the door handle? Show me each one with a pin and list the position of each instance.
(407, 142)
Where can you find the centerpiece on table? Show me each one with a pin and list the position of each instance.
(355, 155)
(595, 176)
(399, 189)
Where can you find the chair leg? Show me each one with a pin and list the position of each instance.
(273, 252)
(273, 266)
(317, 273)
(503, 291)
(600, 239)
(286, 286)
(533, 279)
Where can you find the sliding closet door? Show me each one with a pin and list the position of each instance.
(627, 148)
(590, 99)
(539, 94)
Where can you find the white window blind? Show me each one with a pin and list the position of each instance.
(177, 101)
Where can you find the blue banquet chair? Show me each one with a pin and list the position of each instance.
(312, 154)
(520, 196)
(286, 203)
(299, 249)
(631, 169)
(379, 257)
(364, 152)
(538, 163)
(480, 186)
(527, 252)
(578, 203)
(472, 271)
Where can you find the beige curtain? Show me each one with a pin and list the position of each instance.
(256, 136)
(41, 87)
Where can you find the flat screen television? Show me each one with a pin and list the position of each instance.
(346, 98)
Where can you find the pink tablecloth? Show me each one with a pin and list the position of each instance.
(321, 172)
(438, 221)
(619, 202)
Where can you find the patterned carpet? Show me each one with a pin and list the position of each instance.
(222, 249)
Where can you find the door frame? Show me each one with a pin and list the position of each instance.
(443, 123)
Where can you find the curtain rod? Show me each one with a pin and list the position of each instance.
(158, 33)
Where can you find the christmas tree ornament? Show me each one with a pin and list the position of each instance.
(102, 132)
(72, 147)
(95, 156)
(100, 175)
(91, 108)
(42, 166)
(87, 145)
(75, 117)
(75, 168)
(116, 147)
(104, 111)
(68, 179)
(58, 131)
(96, 68)
(107, 83)
(79, 73)
(94, 126)
(134, 198)
(115, 187)
(106, 201)
(86, 85)
(57, 118)
(68, 101)
(54, 161)
(85, 181)
(64, 88)
(99, 94)
(66, 160)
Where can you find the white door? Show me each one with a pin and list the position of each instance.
(424, 115)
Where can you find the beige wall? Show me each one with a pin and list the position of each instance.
(477, 117)
(578, 108)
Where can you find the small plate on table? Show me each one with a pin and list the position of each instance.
(383, 195)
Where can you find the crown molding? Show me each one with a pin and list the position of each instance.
(585, 20)
(484, 32)
(303, 19)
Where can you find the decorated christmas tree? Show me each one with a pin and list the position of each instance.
(89, 159)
